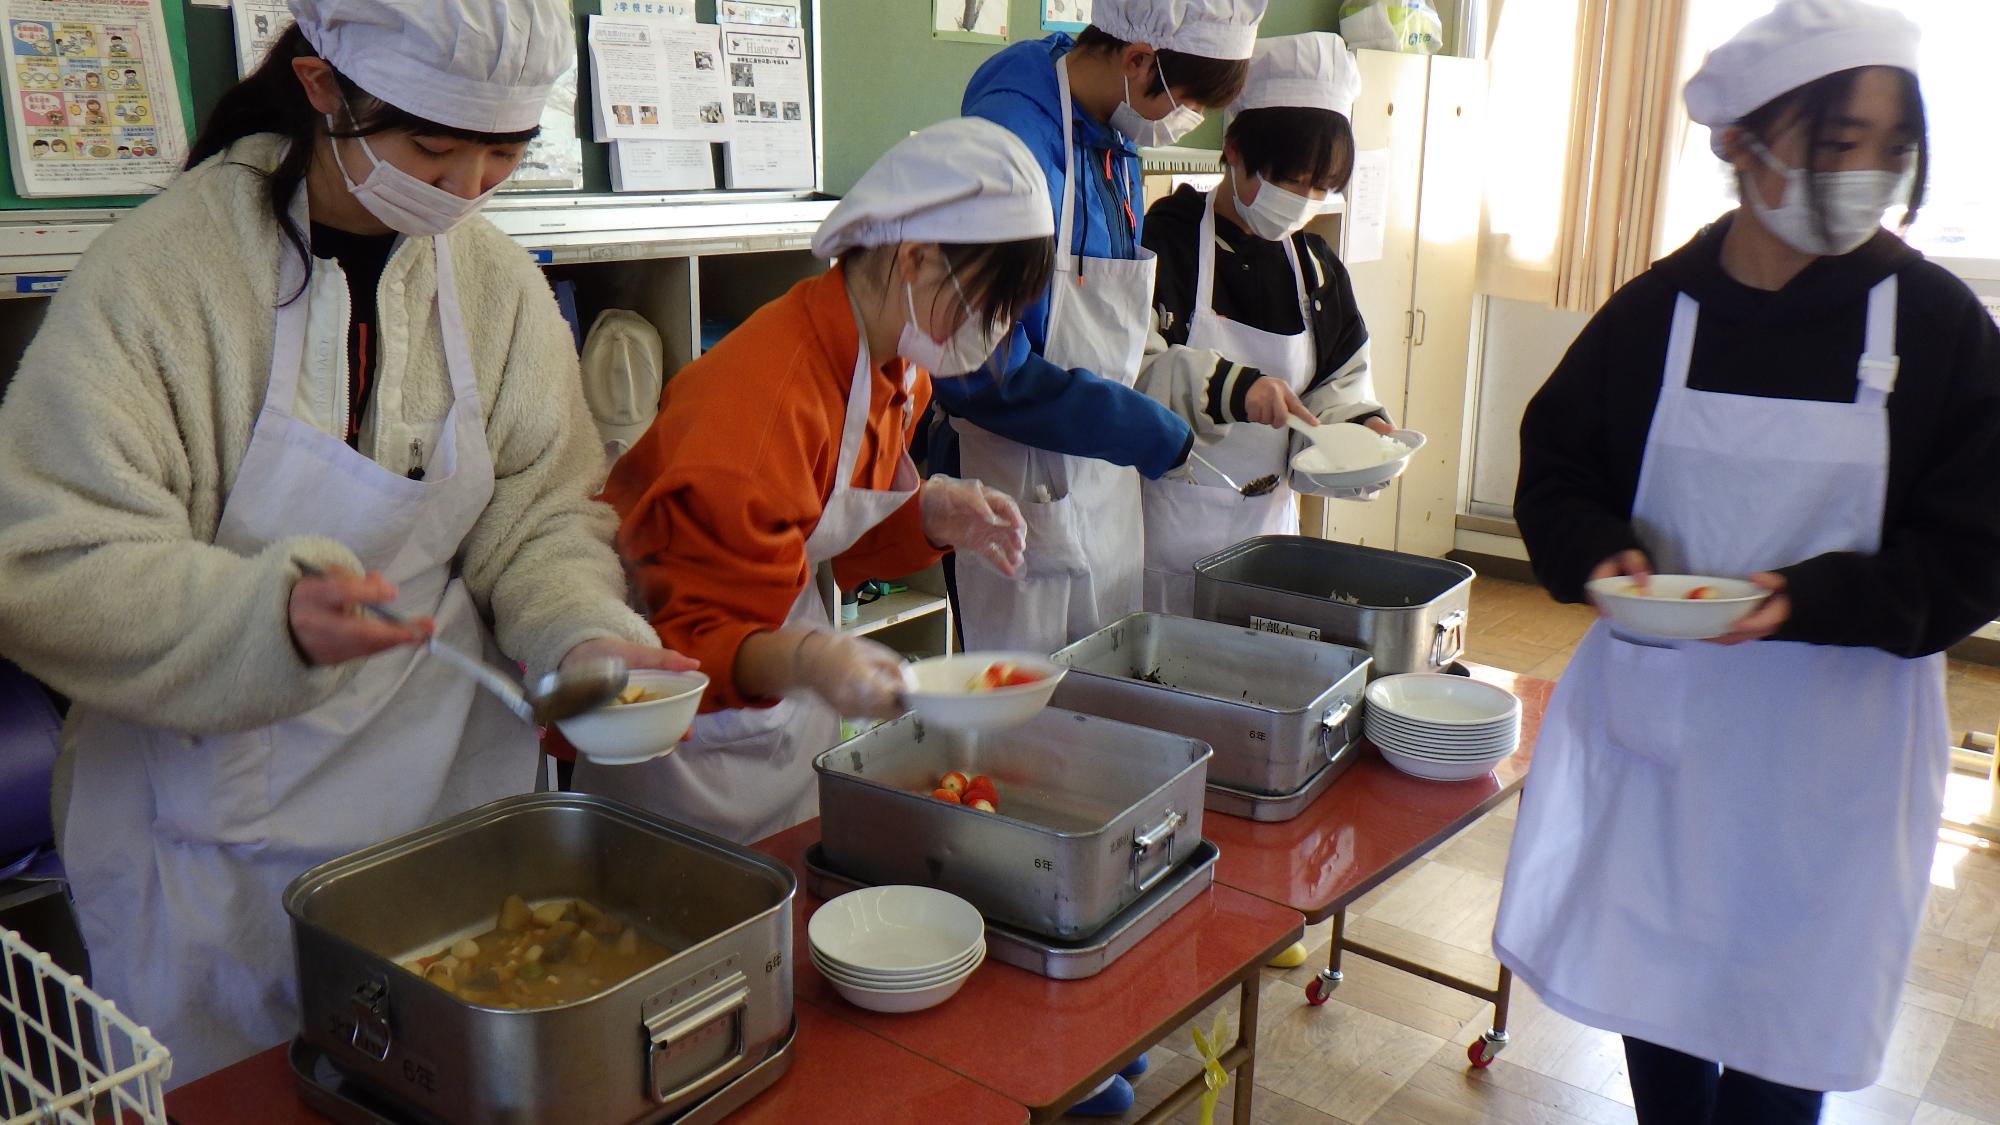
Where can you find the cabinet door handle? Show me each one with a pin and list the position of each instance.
(1422, 321)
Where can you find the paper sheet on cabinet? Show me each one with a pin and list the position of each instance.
(662, 166)
(1367, 207)
(258, 24)
(656, 79)
(770, 110)
(93, 102)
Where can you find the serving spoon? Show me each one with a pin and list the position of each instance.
(561, 694)
(1262, 486)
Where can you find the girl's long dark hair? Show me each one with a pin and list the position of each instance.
(272, 100)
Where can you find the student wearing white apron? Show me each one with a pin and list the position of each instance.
(785, 447)
(1255, 320)
(1724, 848)
(268, 364)
(1060, 428)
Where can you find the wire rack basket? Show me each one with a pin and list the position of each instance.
(67, 1055)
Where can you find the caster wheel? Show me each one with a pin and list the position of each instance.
(1482, 1052)
(1319, 991)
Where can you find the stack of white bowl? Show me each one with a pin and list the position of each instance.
(1445, 728)
(897, 949)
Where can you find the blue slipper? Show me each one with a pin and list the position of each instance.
(1110, 1100)
(1134, 1068)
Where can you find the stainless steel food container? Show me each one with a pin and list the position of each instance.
(1093, 813)
(642, 1050)
(1275, 709)
(1407, 611)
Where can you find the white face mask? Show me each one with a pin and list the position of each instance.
(404, 203)
(1854, 203)
(1178, 123)
(1276, 213)
(967, 350)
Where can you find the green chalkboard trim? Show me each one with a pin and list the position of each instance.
(11, 200)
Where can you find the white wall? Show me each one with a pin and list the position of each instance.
(1521, 344)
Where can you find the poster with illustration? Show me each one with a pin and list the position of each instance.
(93, 101)
(1065, 15)
(971, 21)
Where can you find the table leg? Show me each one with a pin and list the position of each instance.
(1240, 1060)
(1482, 1052)
(1246, 1039)
(1320, 990)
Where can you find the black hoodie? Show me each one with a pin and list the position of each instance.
(1935, 579)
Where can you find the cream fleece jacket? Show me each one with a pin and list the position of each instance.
(122, 433)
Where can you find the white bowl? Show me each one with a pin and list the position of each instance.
(1433, 699)
(1665, 611)
(620, 734)
(895, 929)
(1443, 736)
(1419, 750)
(898, 978)
(901, 1000)
(1441, 771)
(899, 984)
(938, 691)
(1360, 478)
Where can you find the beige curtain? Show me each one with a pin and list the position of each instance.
(1575, 198)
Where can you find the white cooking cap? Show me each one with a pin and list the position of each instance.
(623, 375)
(482, 65)
(1213, 29)
(1310, 71)
(963, 180)
(1799, 42)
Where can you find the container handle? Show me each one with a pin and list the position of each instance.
(728, 997)
(1143, 844)
(1449, 644)
(370, 1008)
(1333, 722)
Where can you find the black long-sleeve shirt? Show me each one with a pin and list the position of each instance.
(1254, 285)
(1936, 577)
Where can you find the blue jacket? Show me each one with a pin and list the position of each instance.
(1035, 402)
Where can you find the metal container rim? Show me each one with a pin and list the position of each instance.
(821, 768)
(313, 879)
(1280, 639)
(1204, 568)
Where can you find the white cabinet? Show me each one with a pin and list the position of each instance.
(1418, 298)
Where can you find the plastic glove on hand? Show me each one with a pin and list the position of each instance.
(855, 676)
(966, 515)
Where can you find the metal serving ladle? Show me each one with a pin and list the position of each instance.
(561, 694)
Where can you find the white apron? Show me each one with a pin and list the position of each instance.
(1083, 515)
(1187, 521)
(747, 774)
(1725, 850)
(179, 847)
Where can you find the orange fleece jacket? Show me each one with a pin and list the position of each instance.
(716, 501)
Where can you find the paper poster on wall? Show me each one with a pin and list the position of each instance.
(760, 13)
(258, 24)
(656, 79)
(971, 21)
(770, 107)
(666, 9)
(554, 160)
(662, 166)
(1065, 15)
(93, 100)
(1367, 207)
